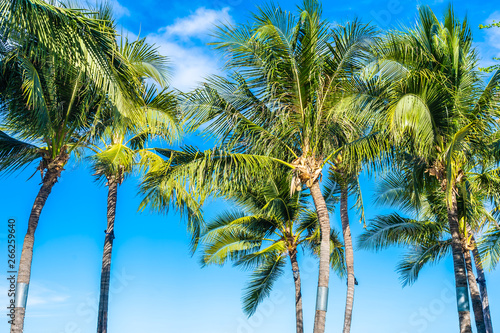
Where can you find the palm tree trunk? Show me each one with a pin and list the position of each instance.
(481, 279)
(102, 319)
(349, 258)
(459, 267)
(24, 272)
(324, 258)
(298, 293)
(477, 306)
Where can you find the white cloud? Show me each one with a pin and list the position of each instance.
(190, 64)
(491, 46)
(40, 295)
(200, 22)
(37, 300)
(125, 33)
(118, 9)
(493, 34)
(180, 41)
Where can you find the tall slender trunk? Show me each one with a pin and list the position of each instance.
(477, 306)
(324, 258)
(24, 272)
(349, 258)
(459, 267)
(298, 293)
(481, 279)
(102, 319)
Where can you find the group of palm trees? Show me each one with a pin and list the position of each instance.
(305, 107)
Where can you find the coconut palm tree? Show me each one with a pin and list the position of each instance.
(343, 180)
(46, 128)
(268, 227)
(119, 143)
(426, 233)
(486, 251)
(49, 102)
(288, 102)
(440, 112)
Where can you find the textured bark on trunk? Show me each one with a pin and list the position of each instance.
(459, 267)
(298, 292)
(477, 306)
(482, 288)
(24, 271)
(349, 258)
(324, 255)
(102, 318)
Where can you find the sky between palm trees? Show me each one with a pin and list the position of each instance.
(158, 286)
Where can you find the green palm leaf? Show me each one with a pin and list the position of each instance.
(412, 263)
(15, 154)
(261, 283)
(387, 230)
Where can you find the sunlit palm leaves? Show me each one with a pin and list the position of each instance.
(267, 227)
(413, 261)
(80, 38)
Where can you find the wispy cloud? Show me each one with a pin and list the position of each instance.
(40, 295)
(491, 46)
(184, 42)
(198, 23)
(118, 9)
(493, 34)
(190, 64)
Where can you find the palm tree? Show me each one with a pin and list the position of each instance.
(486, 251)
(287, 103)
(438, 111)
(426, 233)
(268, 226)
(120, 141)
(49, 98)
(343, 180)
(483, 185)
(481, 280)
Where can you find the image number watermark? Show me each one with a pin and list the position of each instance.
(11, 244)
(11, 266)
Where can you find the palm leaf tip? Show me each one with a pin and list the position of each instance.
(261, 283)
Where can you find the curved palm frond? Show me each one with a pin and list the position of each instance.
(15, 154)
(387, 230)
(261, 282)
(412, 263)
(71, 36)
(489, 247)
(145, 59)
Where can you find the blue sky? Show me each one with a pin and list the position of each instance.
(157, 286)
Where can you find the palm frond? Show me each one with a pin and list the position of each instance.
(145, 59)
(387, 230)
(261, 283)
(15, 154)
(71, 36)
(489, 247)
(412, 263)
